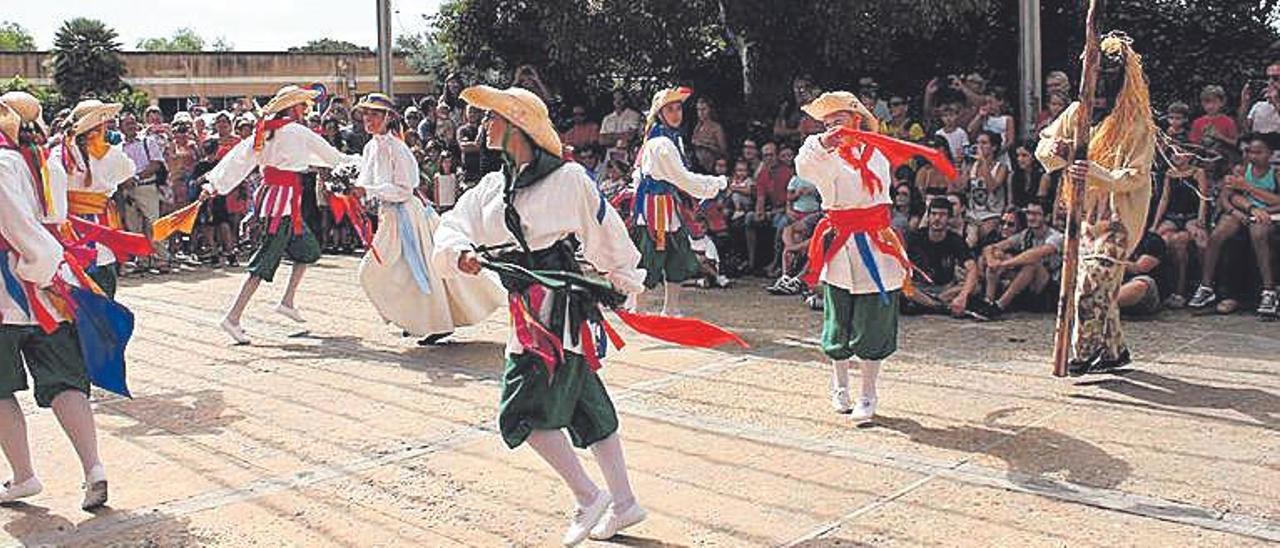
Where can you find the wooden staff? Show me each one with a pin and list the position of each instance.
(1071, 249)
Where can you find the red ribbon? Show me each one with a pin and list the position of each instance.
(122, 244)
(843, 223)
(287, 179)
(682, 331)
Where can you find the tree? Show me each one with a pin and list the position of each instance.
(15, 37)
(221, 44)
(329, 45)
(423, 53)
(86, 59)
(183, 39)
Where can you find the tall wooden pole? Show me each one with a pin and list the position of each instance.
(384, 48)
(1071, 250)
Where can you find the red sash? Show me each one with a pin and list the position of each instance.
(288, 179)
(842, 224)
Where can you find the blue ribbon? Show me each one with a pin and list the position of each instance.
(410, 247)
(11, 284)
(869, 259)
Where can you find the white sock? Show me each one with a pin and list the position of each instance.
(613, 465)
(553, 446)
(840, 374)
(870, 371)
(671, 299)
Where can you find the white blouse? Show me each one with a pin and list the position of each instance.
(389, 172)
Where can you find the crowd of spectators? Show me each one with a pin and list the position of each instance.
(990, 240)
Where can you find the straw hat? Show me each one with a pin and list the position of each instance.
(289, 96)
(27, 107)
(665, 97)
(377, 101)
(92, 113)
(522, 108)
(182, 117)
(837, 101)
(9, 122)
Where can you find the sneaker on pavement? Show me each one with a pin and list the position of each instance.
(840, 400)
(615, 521)
(1203, 297)
(1269, 304)
(864, 410)
(585, 519)
(95, 489)
(290, 312)
(13, 492)
(237, 333)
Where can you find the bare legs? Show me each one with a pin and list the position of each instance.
(251, 285)
(76, 417)
(13, 440)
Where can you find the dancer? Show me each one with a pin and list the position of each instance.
(534, 210)
(854, 251)
(1117, 195)
(394, 272)
(283, 148)
(31, 261)
(662, 178)
(84, 172)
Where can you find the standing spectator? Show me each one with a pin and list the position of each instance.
(955, 135)
(869, 93)
(446, 183)
(709, 141)
(1263, 116)
(357, 136)
(331, 131)
(1181, 219)
(142, 193)
(471, 149)
(930, 181)
(899, 123)
(1144, 276)
(1177, 116)
(988, 188)
(180, 159)
(1214, 129)
(446, 130)
(583, 133)
(1055, 104)
(1057, 82)
(427, 127)
(621, 124)
(1251, 199)
(938, 253)
(1027, 180)
(527, 77)
(991, 117)
(792, 124)
(1034, 256)
(223, 132)
(412, 117)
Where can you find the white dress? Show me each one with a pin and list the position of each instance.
(404, 287)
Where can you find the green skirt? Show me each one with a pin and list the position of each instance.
(859, 325)
(674, 264)
(53, 360)
(574, 399)
(300, 248)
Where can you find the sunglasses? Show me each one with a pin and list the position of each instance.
(1009, 224)
(1274, 77)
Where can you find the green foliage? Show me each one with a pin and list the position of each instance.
(86, 59)
(329, 45)
(48, 96)
(221, 44)
(15, 37)
(423, 53)
(135, 101)
(183, 39)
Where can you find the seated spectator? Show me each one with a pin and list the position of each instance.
(1214, 129)
(908, 205)
(708, 139)
(584, 132)
(1262, 116)
(740, 194)
(787, 127)
(589, 158)
(1013, 221)
(621, 152)
(1176, 118)
(869, 94)
(615, 181)
(1027, 180)
(1181, 218)
(938, 253)
(988, 188)
(623, 123)
(1251, 199)
(793, 252)
(751, 153)
(955, 135)
(1143, 276)
(770, 203)
(1034, 259)
(1055, 104)
(899, 124)
(704, 247)
(721, 168)
(929, 180)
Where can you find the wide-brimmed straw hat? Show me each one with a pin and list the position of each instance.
(522, 108)
(27, 107)
(377, 101)
(836, 101)
(92, 113)
(9, 122)
(289, 96)
(665, 97)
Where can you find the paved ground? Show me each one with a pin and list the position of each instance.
(351, 435)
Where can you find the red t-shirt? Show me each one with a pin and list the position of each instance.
(1220, 126)
(771, 185)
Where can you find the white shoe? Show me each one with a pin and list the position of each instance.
(840, 399)
(15, 492)
(615, 521)
(235, 331)
(95, 489)
(865, 409)
(291, 313)
(585, 519)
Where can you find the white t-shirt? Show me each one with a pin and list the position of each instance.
(620, 122)
(959, 139)
(1264, 117)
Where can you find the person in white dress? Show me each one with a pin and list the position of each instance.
(395, 273)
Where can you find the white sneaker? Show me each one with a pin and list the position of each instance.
(615, 521)
(95, 489)
(585, 519)
(865, 409)
(235, 331)
(291, 313)
(840, 399)
(15, 492)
